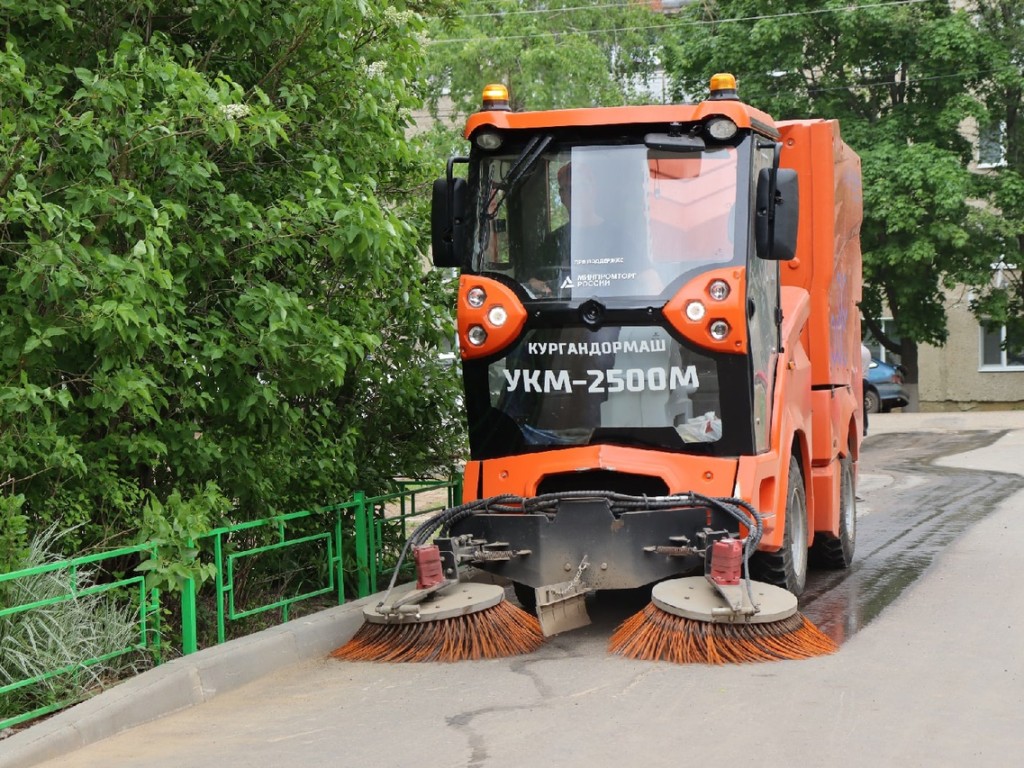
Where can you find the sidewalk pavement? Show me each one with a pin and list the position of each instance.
(198, 678)
(183, 682)
(952, 421)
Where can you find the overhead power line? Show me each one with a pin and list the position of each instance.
(690, 23)
(907, 81)
(557, 9)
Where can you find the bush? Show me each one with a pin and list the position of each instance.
(213, 277)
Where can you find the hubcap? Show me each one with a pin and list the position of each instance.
(798, 542)
(849, 507)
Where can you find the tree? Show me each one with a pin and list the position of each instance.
(562, 54)
(1001, 23)
(900, 78)
(212, 280)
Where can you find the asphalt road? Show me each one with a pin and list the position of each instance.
(930, 671)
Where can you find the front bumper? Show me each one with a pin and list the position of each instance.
(623, 551)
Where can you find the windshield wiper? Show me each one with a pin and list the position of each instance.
(515, 174)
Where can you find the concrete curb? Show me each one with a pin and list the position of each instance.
(942, 421)
(182, 683)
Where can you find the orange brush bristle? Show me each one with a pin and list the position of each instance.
(655, 635)
(496, 632)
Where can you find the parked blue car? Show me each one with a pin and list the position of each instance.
(883, 388)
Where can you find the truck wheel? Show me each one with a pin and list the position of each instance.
(872, 402)
(836, 552)
(787, 568)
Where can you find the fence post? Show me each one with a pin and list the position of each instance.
(362, 526)
(456, 490)
(189, 630)
(339, 556)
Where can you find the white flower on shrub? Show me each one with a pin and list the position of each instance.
(397, 18)
(234, 111)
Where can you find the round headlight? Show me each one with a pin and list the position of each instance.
(488, 141)
(497, 316)
(721, 128)
(718, 290)
(719, 330)
(477, 335)
(695, 311)
(476, 297)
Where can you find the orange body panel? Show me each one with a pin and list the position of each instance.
(743, 115)
(497, 296)
(827, 268)
(828, 262)
(522, 474)
(732, 310)
(825, 487)
(762, 479)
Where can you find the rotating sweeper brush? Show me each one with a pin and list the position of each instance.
(440, 618)
(722, 617)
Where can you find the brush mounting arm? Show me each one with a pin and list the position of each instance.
(458, 550)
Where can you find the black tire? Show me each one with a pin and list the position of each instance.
(787, 568)
(526, 595)
(836, 552)
(872, 402)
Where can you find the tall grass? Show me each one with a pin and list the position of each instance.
(59, 653)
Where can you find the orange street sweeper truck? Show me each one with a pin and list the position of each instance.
(660, 343)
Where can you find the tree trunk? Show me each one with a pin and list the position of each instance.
(908, 359)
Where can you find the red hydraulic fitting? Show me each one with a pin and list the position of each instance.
(428, 566)
(726, 561)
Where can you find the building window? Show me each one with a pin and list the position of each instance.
(877, 350)
(991, 146)
(994, 356)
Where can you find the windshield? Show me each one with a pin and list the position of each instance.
(605, 222)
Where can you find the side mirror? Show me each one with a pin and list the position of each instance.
(448, 222)
(787, 215)
(777, 202)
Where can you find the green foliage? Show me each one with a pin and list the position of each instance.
(13, 532)
(559, 55)
(921, 235)
(211, 261)
(64, 634)
(175, 525)
(1001, 22)
(899, 78)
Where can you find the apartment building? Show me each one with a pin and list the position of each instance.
(972, 371)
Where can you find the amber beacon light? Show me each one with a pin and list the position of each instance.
(496, 97)
(723, 87)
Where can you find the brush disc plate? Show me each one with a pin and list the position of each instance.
(695, 598)
(459, 599)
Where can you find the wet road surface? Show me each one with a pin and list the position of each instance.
(911, 510)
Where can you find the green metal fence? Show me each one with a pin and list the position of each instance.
(356, 527)
(130, 589)
(336, 544)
